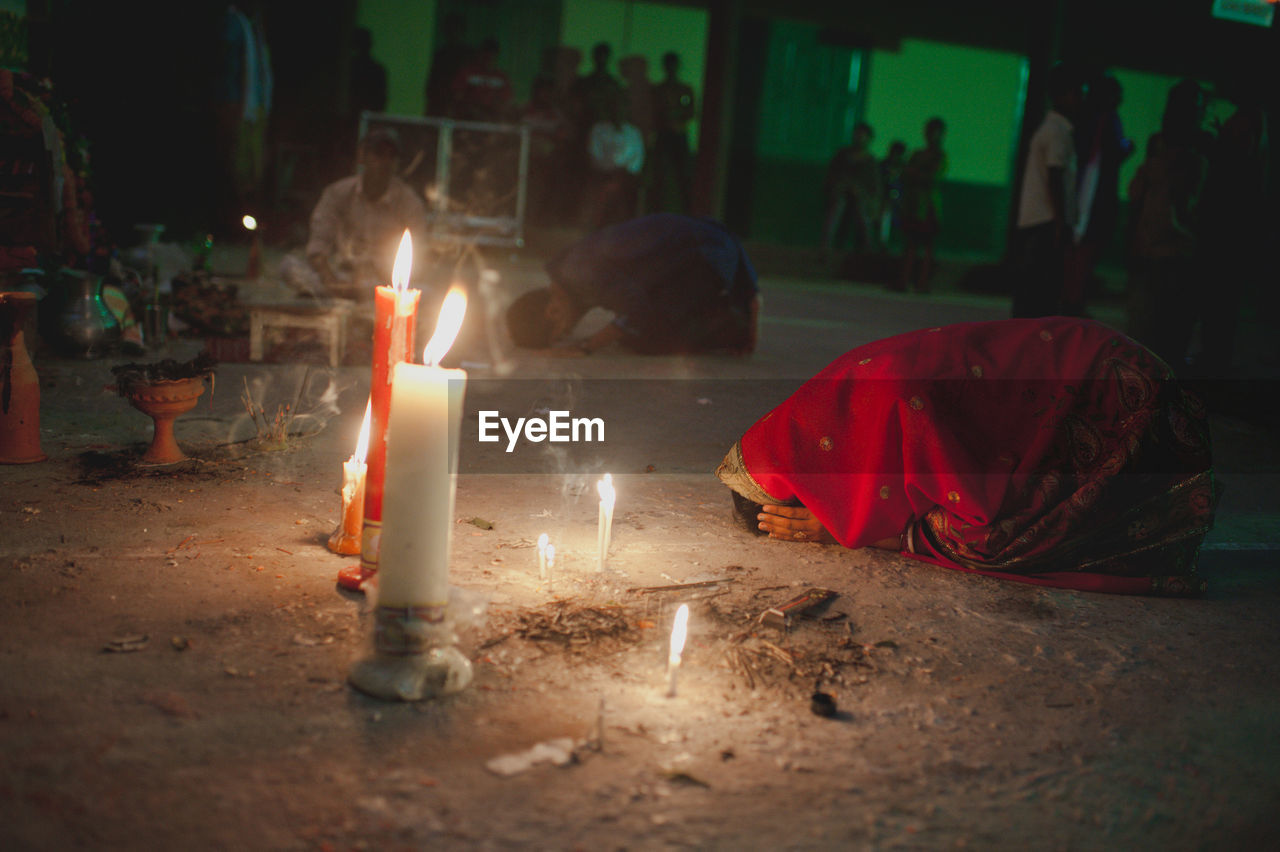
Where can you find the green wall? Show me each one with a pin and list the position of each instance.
(976, 92)
(812, 92)
(403, 35)
(810, 96)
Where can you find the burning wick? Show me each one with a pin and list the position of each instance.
(543, 544)
(346, 538)
(405, 300)
(250, 223)
(551, 562)
(679, 629)
(605, 529)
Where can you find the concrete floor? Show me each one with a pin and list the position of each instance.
(979, 714)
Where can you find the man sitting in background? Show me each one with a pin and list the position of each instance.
(357, 225)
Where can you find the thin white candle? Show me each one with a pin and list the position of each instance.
(543, 541)
(679, 630)
(551, 562)
(604, 530)
(422, 461)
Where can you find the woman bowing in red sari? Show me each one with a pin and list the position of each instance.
(1053, 451)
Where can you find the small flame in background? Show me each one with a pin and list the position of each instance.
(605, 489)
(679, 629)
(404, 264)
(250, 223)
(362, 445)
(452, 312)
(543, 541)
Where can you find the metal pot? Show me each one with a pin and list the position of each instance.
(83, 325)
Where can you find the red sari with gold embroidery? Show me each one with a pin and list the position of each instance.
(1053, 451)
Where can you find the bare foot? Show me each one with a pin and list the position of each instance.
(793, 523)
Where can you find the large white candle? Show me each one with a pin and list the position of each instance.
(422, 461)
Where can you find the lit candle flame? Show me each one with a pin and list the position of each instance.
(607, 495)
(543, 541)
(362, 444)
(551, 555)
(404, 263)
(447, 326)
(250, 223)
(679, 629)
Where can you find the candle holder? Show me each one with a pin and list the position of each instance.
(415, 656)
(163, 391)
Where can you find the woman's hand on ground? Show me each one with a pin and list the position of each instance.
(793, 523)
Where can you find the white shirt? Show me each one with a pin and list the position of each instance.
(1052, 147)
(614, 147)
(353, 231)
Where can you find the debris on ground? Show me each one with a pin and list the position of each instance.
(557, 752)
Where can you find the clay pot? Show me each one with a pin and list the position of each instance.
(19, 385)
(163, 401)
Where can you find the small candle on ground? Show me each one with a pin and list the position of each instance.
(679, 629)
(346, 538)
(543, 541)
(551, 562)
(605, 529)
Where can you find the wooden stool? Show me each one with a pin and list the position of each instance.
(326, 316)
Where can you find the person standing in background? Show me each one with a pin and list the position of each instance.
(616, 151)
(891, 180)
(1237, 207)
(852, 190)
(922, 207)
(1047, 204)
(1102, 148)
(673, 108)
(242, 109)
(446, 62)
(1164, 199)
(368, 78)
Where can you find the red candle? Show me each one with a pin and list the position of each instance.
(394, 324)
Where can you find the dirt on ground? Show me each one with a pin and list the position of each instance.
(174, 651)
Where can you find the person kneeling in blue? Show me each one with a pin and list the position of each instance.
(676, 285)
